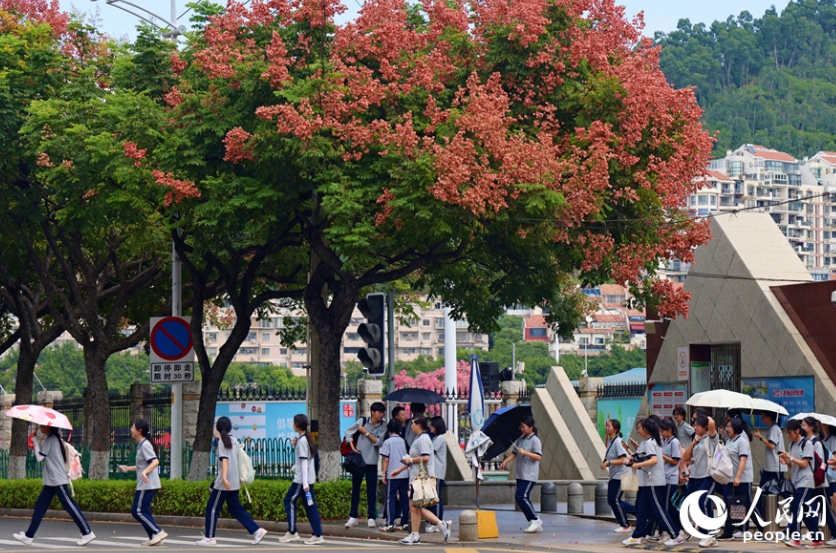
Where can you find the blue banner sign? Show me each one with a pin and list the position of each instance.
(272, 419)
(796, 394)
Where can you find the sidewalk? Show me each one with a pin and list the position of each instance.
(561, 533)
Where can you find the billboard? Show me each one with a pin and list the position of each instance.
(272, 419)
(796, 394)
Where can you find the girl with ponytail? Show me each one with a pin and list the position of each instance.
(302, 487)
(49, 450)
(226, 486)
(614, 462)
(147, 481)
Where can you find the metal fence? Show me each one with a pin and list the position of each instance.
(627, 389)
(273, 459)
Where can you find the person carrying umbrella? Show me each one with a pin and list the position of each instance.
(529, 452)
(49, 450)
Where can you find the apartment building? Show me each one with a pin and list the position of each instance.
(421, 335)
(793, 192)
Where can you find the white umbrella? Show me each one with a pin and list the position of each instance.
(824, 419)
(721, 399)
(760, 404)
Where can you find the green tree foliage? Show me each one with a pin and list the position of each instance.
(768, 80)
(263, 376)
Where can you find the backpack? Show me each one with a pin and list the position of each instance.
(73, 462)
(819, 467)
(345, 445)
(246, 472)
(720, 467)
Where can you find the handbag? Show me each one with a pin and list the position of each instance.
(720, 467)
(737, 508)
(354, 463)
(630, 482)
(424, 488)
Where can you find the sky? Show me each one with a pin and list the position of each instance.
(659, 15)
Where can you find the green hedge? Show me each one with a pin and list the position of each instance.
(181, 498)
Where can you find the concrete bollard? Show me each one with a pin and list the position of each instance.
(575, 503)
(770, 507)
(602, 506)
(468, 527)
(548, 498)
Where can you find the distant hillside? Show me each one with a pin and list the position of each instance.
(768, 81)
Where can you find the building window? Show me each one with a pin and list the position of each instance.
(440, 352)
(411, 322)
(265, 336)
(282, 351)
(427, 336)
(352, 351)
(439, 322)
(409, 336)
(599, 341)
(537, 332)
(212, 351)
(212, 337)
(462, 336)
(428, 352)
(297, 365)
(353, 336)
(301, 351)
(248, 351)
(251, 337)
(265, 351)
(426, 322)
(703, 200)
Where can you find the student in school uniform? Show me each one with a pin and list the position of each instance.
(438, 428)
(799, 457)
(812, 429)
(147, 481)
(225, 488)
(614, 460)
(740, 453)
(828, 439)
(672, 457)
(705, 442)
(302, 487)
(397, 486)
(49, 450)
(528, 451)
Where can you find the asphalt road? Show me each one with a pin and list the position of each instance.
(56, 535)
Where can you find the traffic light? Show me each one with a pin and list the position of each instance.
(373, 308)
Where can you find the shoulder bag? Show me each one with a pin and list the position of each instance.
(630, 482)
(424, 488)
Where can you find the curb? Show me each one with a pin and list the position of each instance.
(332, 530)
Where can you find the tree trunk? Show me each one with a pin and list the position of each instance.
(329, 401)
(19, 446)
(98, 413)
(209, 389)
(330, 323)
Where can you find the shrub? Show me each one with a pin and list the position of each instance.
(181, 498)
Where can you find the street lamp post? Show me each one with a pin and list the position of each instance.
(176, 457)
(585, 346)
(150, 17)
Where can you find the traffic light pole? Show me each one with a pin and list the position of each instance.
(390, 330)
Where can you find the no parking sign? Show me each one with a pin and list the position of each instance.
(172, 350)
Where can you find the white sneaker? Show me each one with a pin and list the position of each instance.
(535, 525)
(430, 528)
(738, 535)
(709, 542)
(831, 542)
(445, 529)
(207, 541)
(412, 539)
(259, 535)
(678, 540)
(371, 523)
(86, 539)
(351, 522)
(158, 537)
(623, 529)
(23, 538)
(288, 537)
(314, 540)
(632, 541)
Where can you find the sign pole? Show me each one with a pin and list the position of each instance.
(176, 458)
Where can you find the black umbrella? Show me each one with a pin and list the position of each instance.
(415, 395)
(503, 428)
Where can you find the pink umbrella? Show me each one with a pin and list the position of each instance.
(37, 414)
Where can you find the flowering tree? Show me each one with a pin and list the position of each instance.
(434, 380)
(497, 152)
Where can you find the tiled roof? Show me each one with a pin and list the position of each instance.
(716, 175)
(829, 157)
(766, 153)
(535, 321)
(613, 290)
(601, 318)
